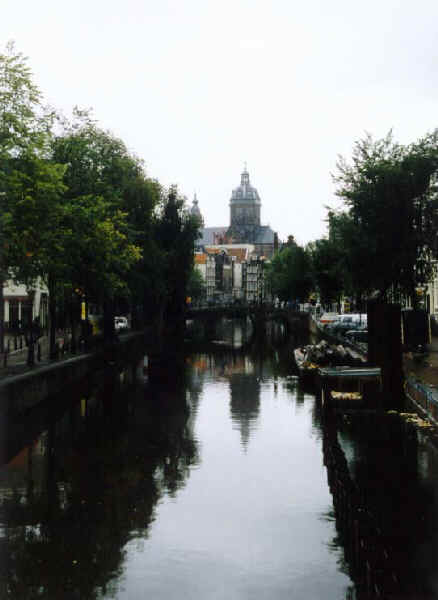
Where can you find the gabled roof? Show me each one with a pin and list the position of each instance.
(208, 235)
(213, 250)
(241, 254)
(200, 258)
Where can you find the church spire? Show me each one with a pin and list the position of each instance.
(244, 178)
(195, 211)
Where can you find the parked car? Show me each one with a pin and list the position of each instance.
(357, 335)
(121, 323)
(328, 317)
(349, 321)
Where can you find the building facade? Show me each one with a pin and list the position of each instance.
(22, 305)
(245, 223)
(253, 280)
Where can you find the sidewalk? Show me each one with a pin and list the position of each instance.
(16, 360)
(427, 370)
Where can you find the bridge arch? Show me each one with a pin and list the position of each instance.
(259, 314)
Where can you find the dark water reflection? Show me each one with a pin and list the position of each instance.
(223, 482)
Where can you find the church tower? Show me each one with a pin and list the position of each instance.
(244, 211)
(195, 211)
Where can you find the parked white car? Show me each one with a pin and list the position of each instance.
(349, 321)
(121, 323)
(329, 317)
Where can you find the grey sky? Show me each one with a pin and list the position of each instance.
(197, 87)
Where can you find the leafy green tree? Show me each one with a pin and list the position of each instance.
(392, 213)
(99, 243)
(289, 273)
(196, 285)
(29, 183)
(142, 197)
(326, 265)
(175, 234)
(78, 210)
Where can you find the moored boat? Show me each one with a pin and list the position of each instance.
(313, 356)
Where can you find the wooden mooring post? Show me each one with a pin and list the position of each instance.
(385, 349)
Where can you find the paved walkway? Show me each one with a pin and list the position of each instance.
(427, 369)
(16, 360)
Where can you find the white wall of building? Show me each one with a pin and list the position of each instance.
(18, 294)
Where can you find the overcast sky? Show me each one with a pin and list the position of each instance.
(198, 87)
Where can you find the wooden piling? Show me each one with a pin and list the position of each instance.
(385, 349)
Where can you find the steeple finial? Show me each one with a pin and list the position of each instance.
(194, 210)
(244, 180)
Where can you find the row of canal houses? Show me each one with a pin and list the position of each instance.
(229, 271)
(232, 272)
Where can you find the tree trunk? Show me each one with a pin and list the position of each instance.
(73, 345)
(52, 317)
(31, 332)
(86, 327)
(108, 320)
(31, 350)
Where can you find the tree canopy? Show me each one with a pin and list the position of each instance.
(289, 273)
(79, 211)
(388, 229)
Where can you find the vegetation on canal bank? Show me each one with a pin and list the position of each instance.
(383, 240)
(79, 212)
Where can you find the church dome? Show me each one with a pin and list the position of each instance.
(195, 211)
(245, 193)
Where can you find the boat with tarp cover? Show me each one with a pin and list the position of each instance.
(314, 356)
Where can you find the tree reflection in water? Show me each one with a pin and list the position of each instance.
(71, 501)
(385, 508)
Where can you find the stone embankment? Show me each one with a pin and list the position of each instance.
(421, 376)
(421, 381)
(21, 392)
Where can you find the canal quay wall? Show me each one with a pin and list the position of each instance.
(424, 397)
(20, 393)
(365, 550)
(419, 391)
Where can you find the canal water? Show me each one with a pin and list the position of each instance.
(222, 480)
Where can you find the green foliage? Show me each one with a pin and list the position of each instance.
(29, 183)
(175, 234)
(21, 127)
(99, 245)
(328, 277)
(33, 189)
(388, 231)
(195, 285)
(289, 273)
(78, 210)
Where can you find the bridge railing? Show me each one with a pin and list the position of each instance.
(217, 306)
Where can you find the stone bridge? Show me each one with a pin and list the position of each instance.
(259, 314)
